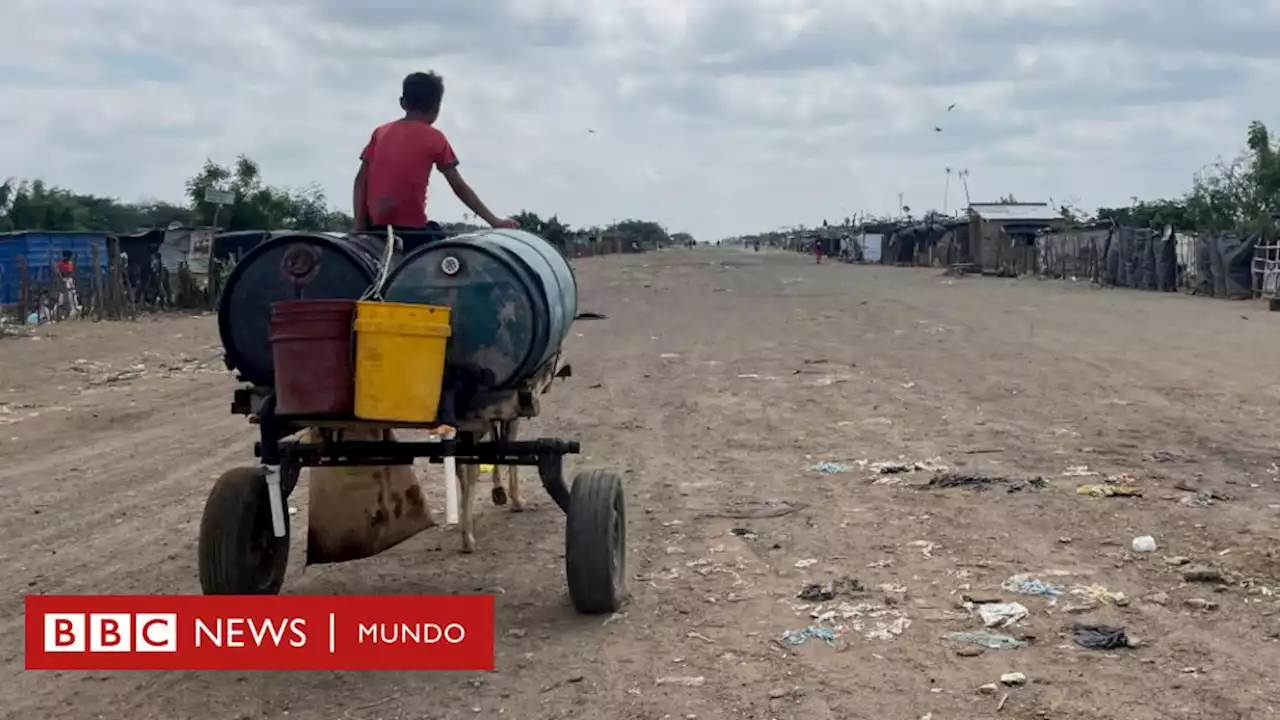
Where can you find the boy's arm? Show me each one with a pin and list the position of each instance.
(359, 197)
(446, 162)
(469, 198)
(359, 191)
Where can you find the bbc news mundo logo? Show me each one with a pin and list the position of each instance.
(197, 632)
(110, 632)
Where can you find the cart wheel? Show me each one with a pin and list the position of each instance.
(595, 558)
(238, 552)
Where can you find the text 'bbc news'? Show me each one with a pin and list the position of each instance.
(266, 633)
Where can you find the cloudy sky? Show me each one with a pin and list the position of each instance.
(712, 116)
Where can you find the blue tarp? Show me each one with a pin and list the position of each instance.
(42, 249)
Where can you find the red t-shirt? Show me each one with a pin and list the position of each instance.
(400, 156)
(65, 267)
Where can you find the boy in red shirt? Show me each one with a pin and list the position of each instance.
(391, 186)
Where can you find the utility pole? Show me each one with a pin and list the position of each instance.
(946, 192)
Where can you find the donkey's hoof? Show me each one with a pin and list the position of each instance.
(499, 495)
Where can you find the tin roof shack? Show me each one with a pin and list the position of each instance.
(192, 246)
(1075, 252)
(39, 250)
(1003, 235)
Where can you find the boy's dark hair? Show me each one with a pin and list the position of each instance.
(422, 92)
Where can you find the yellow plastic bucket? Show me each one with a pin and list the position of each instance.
(400, 350)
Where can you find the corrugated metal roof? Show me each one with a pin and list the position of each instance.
(1022, 212)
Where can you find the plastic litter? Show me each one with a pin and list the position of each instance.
(989, 640)
(1098, 637)
(1027, 585)
(1109, 491)
(1000, 615)
(816, 592)
(1144, 544)
(813, 632)
(1199, 500)
(829, 467)
(1100, 594)
(1013, 678)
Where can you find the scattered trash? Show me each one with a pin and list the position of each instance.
(669, 356)
(1098, 637)
(1100, 594)
(1177, 560)
(888, 631)
(989, 640)
(1199, 500)
(988, 689)
(1079, 471)
(1109, 491)
(807, 562)
(747, 533)
(829, 467)
(683, 681)
(926, 547)
(1144, 544)
(1200, 604)
(1013, 679)
(1001, 615)
(1027, 585)
(814, 632)
(1204, 575)
(816, 592)
(977, 481)
(902, 465)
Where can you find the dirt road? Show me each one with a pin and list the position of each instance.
(719, 379)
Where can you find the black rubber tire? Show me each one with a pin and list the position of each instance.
(238, 553)
(595, 548)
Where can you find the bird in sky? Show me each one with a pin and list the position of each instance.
(593, 132)
(937, 129)
(951, 107)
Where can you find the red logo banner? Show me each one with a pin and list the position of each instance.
(235, 632)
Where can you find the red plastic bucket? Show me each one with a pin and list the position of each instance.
(311, 351)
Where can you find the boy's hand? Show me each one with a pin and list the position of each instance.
(506, 224)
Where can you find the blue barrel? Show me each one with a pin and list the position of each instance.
(513, 298)
(289, 266)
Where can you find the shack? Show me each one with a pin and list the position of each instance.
(1002, 236)
(190, 245)
(39, 250)
(1076, 252)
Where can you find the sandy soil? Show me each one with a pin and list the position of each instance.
(718, 381)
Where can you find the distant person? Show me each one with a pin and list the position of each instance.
(395, 167)
(68, 303)
(817, 250)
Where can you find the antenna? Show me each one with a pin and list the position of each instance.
(964, 177)
(946, 192)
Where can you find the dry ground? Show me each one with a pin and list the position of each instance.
(718, 381)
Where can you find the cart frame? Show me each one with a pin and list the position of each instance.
(244, 535)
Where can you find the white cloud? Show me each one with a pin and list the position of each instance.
(716, 116)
